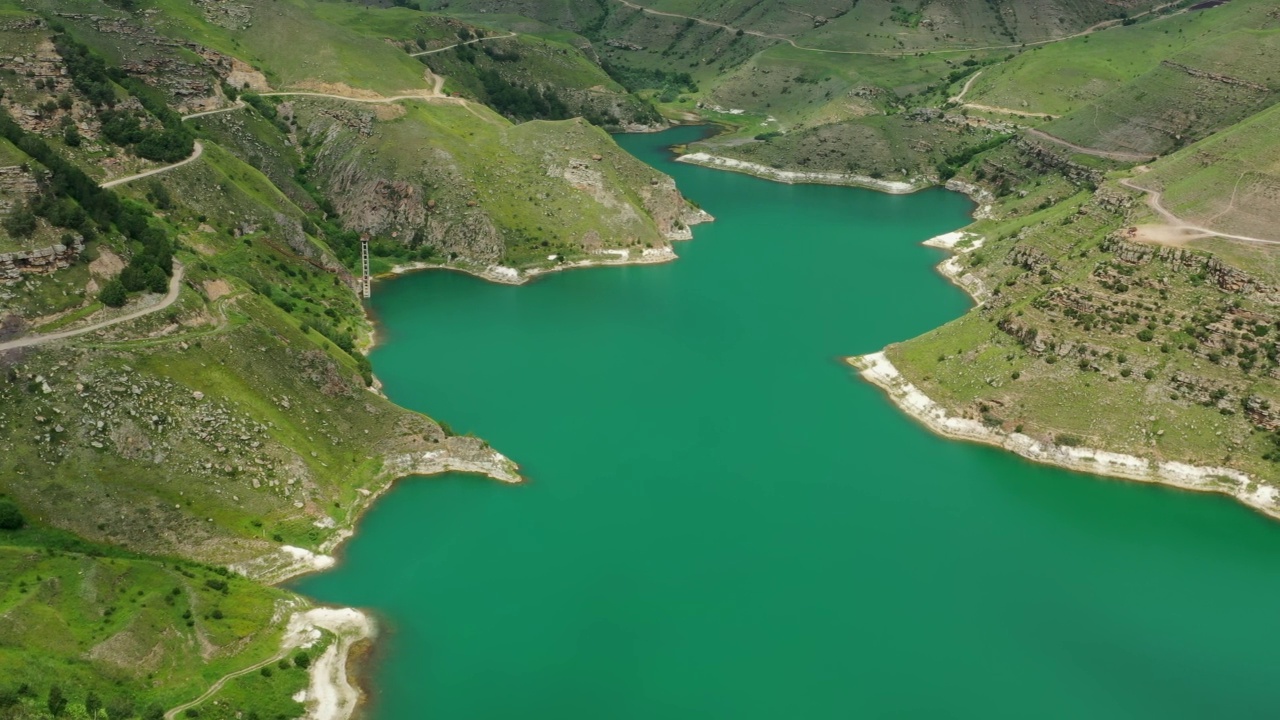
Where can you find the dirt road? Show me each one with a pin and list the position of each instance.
(175, 285)
(195, 154)
(1153, 202)
(1108, 154)
(172, 714)
(468, 42)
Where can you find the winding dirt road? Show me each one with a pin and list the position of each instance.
(1153, 202)
(172, 714)
(195, 154)
(175, 285)
(468, 42)
(1108, 154)
(1008, 111)
(238, 105)
(435, 93)
(959, 99)
(965, 90)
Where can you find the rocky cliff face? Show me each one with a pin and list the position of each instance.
(400, 209)
(669, 210)
(42, 260)
(521, 194)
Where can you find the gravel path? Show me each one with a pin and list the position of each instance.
(175, 285)
(1153, 202)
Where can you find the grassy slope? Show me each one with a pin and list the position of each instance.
(120, 450)
(542, 61)
(129, 627)
(1228, 181)
(1090, 374)
(220, 479)
(1062, 77)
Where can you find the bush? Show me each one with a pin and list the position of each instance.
(10, 516)
(302, 661)
(113, 294)
(21, 222)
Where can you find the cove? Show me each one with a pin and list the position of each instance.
(722, 521)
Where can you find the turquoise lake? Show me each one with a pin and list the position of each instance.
(723, 521)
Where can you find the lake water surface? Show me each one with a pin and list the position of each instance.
(722, 521)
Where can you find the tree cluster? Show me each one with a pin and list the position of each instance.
(636, 78)
(170, 142)
(521, 102)
(958, 159)
(10, 516)
(74, 198)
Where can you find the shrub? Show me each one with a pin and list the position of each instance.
(21, 222)
(10, 516)
(113, 294)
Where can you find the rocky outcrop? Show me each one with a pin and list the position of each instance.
(1263, 412)
(670, 210)
(43, 260)
(1027, 258)
(1215, 77)
(1042, 158)
(16, 184)
(1222, 275)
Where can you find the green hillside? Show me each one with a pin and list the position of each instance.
(214, 426)
(1229, 181)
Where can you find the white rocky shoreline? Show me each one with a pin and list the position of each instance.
(329, 695)
(976, 193)
(505, 275)
(791, 177)
(960, 243)
(605, 257)
(877, 369)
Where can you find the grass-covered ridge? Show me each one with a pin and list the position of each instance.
(147, 458)
(1088, 337)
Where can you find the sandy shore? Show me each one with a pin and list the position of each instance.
(330, 694)
(792, 177)
(877, 369)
